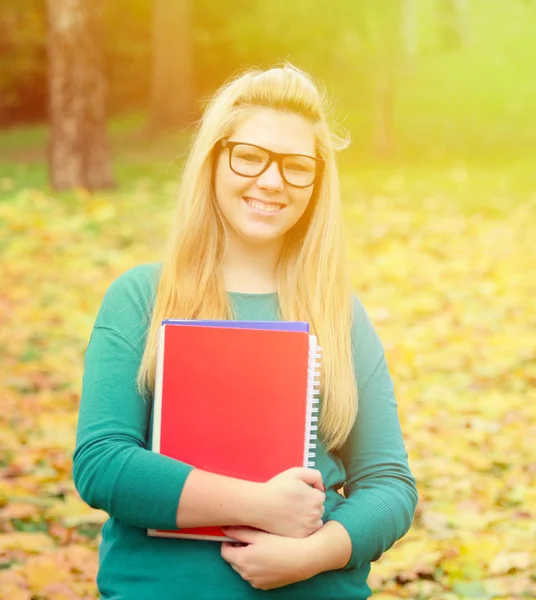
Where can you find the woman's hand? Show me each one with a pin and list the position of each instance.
(292, 503)
(268, 561)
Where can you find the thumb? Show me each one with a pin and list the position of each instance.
(312, 477)
(246, 535)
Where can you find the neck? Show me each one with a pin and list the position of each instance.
(251, 269)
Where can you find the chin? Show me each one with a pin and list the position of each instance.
(261, 239)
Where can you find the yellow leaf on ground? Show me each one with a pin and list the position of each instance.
(28, 542)
(59, 591)
(42, 571)
(13, 586)
(507, 561)
(74, 511)
(81, 560)
(19, 511)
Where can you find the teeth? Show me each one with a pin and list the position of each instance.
(262, 206)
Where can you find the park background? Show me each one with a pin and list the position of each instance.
(439, 192)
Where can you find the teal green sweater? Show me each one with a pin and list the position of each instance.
(115, 471)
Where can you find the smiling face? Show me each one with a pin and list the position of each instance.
(262, 209)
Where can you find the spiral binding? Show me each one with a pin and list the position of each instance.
(313, 400)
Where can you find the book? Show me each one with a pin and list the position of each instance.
(236, 398)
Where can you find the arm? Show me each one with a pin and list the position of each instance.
(285, 505)
(269, 561)
(209, 499)
(329, 549)
(380, 491)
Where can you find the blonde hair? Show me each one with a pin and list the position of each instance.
(313, 275)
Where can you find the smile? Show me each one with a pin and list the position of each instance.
(263, 207)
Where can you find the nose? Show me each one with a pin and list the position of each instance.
(271, 179)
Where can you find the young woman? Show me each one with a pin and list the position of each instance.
(258, 235)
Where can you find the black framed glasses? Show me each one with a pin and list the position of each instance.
(250, 160)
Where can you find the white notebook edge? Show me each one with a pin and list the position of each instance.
(157, 400)
(189, 536)
(157, 404)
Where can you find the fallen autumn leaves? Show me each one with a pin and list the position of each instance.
(451, 294)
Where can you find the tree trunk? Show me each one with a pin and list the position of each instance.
(172, 102)
(384, 100)
(453, 27)
(78, 152)
(410, 29)
(391, 29)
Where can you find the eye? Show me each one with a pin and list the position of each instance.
(300, 165)
(251, 157)
(297, 167)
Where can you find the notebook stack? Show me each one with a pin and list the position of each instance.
(236, 398)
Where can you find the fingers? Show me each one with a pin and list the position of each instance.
(227, 551)
(319, 524)
(245, 535)
(312, 477)
(321, 496)
(311, 528)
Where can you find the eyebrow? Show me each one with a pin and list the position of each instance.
(273, 151)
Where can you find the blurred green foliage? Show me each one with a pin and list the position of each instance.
(464, 101)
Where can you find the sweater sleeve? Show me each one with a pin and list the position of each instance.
(113, 469)
(380, 491)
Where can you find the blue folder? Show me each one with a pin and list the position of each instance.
(273, 325)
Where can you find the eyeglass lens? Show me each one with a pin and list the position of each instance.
(250, 161)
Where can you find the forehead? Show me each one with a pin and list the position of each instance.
(276, 130)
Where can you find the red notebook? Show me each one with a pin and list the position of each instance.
(237, 401)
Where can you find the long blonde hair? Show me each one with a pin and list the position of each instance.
(313, 275)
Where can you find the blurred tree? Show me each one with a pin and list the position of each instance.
(362, 43)
(410, 30)
(23, 62)
(172, 97)
(452, 16)
(127, 48)
(388, 33)
(78, 152)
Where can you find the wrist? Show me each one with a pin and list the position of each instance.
(250, 509)
(312, 554)
(329, 548)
